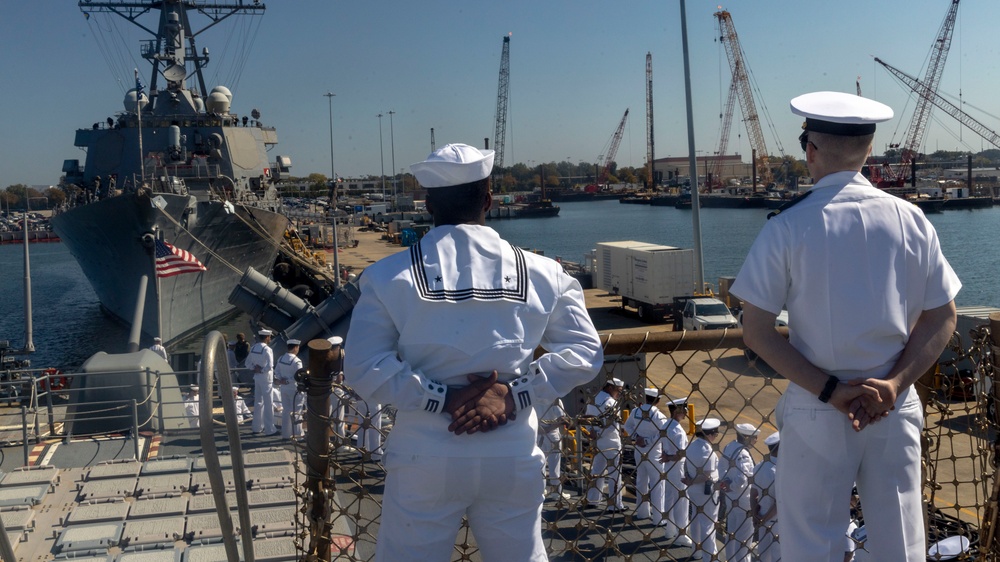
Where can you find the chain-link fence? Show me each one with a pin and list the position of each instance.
(719, 379)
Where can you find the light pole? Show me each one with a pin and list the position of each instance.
(333, 200)
(392, 150)
(381, 155)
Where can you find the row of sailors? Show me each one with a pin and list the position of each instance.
(680, 485)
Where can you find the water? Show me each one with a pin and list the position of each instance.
(69, 325)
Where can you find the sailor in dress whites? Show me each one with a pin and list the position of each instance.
(736, 468)
(446, 332)
(702, 480)
(291, 399)
(261, 364)
(646, 425)
(243, 413)
(607, 462)
(158, 349)
(551, 418)
(675, 501)
(871, 296)
(762, 502)
(191, 407)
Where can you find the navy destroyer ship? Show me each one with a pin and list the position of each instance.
(176, 171)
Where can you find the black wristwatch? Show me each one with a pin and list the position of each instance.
(831, 384)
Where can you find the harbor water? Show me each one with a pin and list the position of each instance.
(69, 325)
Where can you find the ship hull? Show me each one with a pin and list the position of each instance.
(107, 239)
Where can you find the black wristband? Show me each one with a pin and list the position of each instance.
(831, 384)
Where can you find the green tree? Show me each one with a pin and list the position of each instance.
(55, 196)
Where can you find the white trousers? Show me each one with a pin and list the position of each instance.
(263, 405)
(821, 459)
(649, 485)
(551, 445)
(291, 410)
(739, 529)
(606, 470)
(426, 497)
(768, 547)
(676, 504)
(706, 515)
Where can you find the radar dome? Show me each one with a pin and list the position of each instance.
(130, 101)
(218, 103)
(224, 91)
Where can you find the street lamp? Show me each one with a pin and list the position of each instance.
(392, 148)
(381, 156)
(333, 200)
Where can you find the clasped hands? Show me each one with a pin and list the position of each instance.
(482, 406)
(865, 400)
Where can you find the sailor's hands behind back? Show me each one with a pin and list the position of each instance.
(483, 405)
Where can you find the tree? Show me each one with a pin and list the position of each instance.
(55, 196)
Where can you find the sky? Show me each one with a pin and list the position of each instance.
(575, 67)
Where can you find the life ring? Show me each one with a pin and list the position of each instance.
(53, 380)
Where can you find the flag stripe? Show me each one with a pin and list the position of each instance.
(172, 261)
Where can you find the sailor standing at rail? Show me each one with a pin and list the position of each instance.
(675, 502)
(736, 468)
(702, 480)
(763, 506)
(261, 364)
(606, 466)
(291, 400)
(645, 425)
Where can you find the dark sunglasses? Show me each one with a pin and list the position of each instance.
(804, 140)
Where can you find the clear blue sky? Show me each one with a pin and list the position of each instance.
(575, 66)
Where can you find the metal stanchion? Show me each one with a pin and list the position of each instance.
(325, 360)
(24, 433)
(135, 429)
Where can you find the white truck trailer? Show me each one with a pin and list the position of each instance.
(647, 276)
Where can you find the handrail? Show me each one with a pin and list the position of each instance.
(215, 361)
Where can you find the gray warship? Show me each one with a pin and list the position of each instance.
(177, 166)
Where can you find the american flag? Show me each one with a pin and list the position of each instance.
(172, 261)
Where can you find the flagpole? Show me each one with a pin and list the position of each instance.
(138, 112)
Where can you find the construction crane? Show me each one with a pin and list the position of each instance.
(931, 96)
(926, 91)
(608, 157)
(650, 153)
(740, 89)
(500, 132)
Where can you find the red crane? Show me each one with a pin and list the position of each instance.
(609, 157)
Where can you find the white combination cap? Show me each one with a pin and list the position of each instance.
(453, 164)
(772, 439)
(617, 382)
(709, 424)
(335, 340)
(265, 332)
(293, 342)
(747, 429)
(652, 392)
(838, 113)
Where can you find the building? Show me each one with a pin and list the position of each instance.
(673, 167)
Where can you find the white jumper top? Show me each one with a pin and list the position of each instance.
(464, 301)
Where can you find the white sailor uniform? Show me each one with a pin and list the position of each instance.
(291, 400)
(550, 441)
(736, 468)
(261, 364)
(461, 301)
(865, 265)
(702, 459)
(606, 465)
(646, 424)
(768, 548)
(675, 501)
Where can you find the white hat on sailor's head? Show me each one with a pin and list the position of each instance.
(335, 340)
(652, 392)
(292, 343)
(157, 339)
(838, 113)
(193, 388)
(616, 382)
(265, 333)
(747, 430)
(453, 164)
(709, 424)
(236, 390)
(677, 402)
(772, 439)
